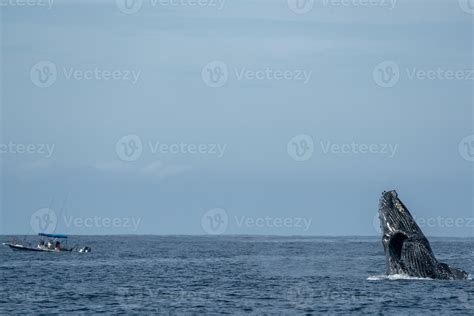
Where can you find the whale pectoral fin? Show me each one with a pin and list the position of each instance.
(418, 260)
(450, 273)
(458, 274)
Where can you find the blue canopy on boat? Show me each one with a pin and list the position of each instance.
(52, 235)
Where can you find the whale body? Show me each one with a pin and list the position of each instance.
(407, 250)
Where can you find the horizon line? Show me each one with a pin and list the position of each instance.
(228, 235)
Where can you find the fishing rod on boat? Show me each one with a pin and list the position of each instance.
(61, 211)
(31, 231)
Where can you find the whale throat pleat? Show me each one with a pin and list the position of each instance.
(418, 260)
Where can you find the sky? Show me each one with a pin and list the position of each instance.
(235, 117)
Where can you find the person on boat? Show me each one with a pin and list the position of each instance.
(50, 245)
(58, 246)
(41, 244)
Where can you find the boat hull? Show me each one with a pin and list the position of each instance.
(24, 248)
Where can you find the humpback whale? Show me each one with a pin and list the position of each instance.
(407, 251)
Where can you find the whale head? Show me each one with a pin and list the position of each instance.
(395, 217)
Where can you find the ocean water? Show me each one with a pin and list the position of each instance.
(228, 274)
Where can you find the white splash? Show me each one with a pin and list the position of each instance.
(395, 277)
